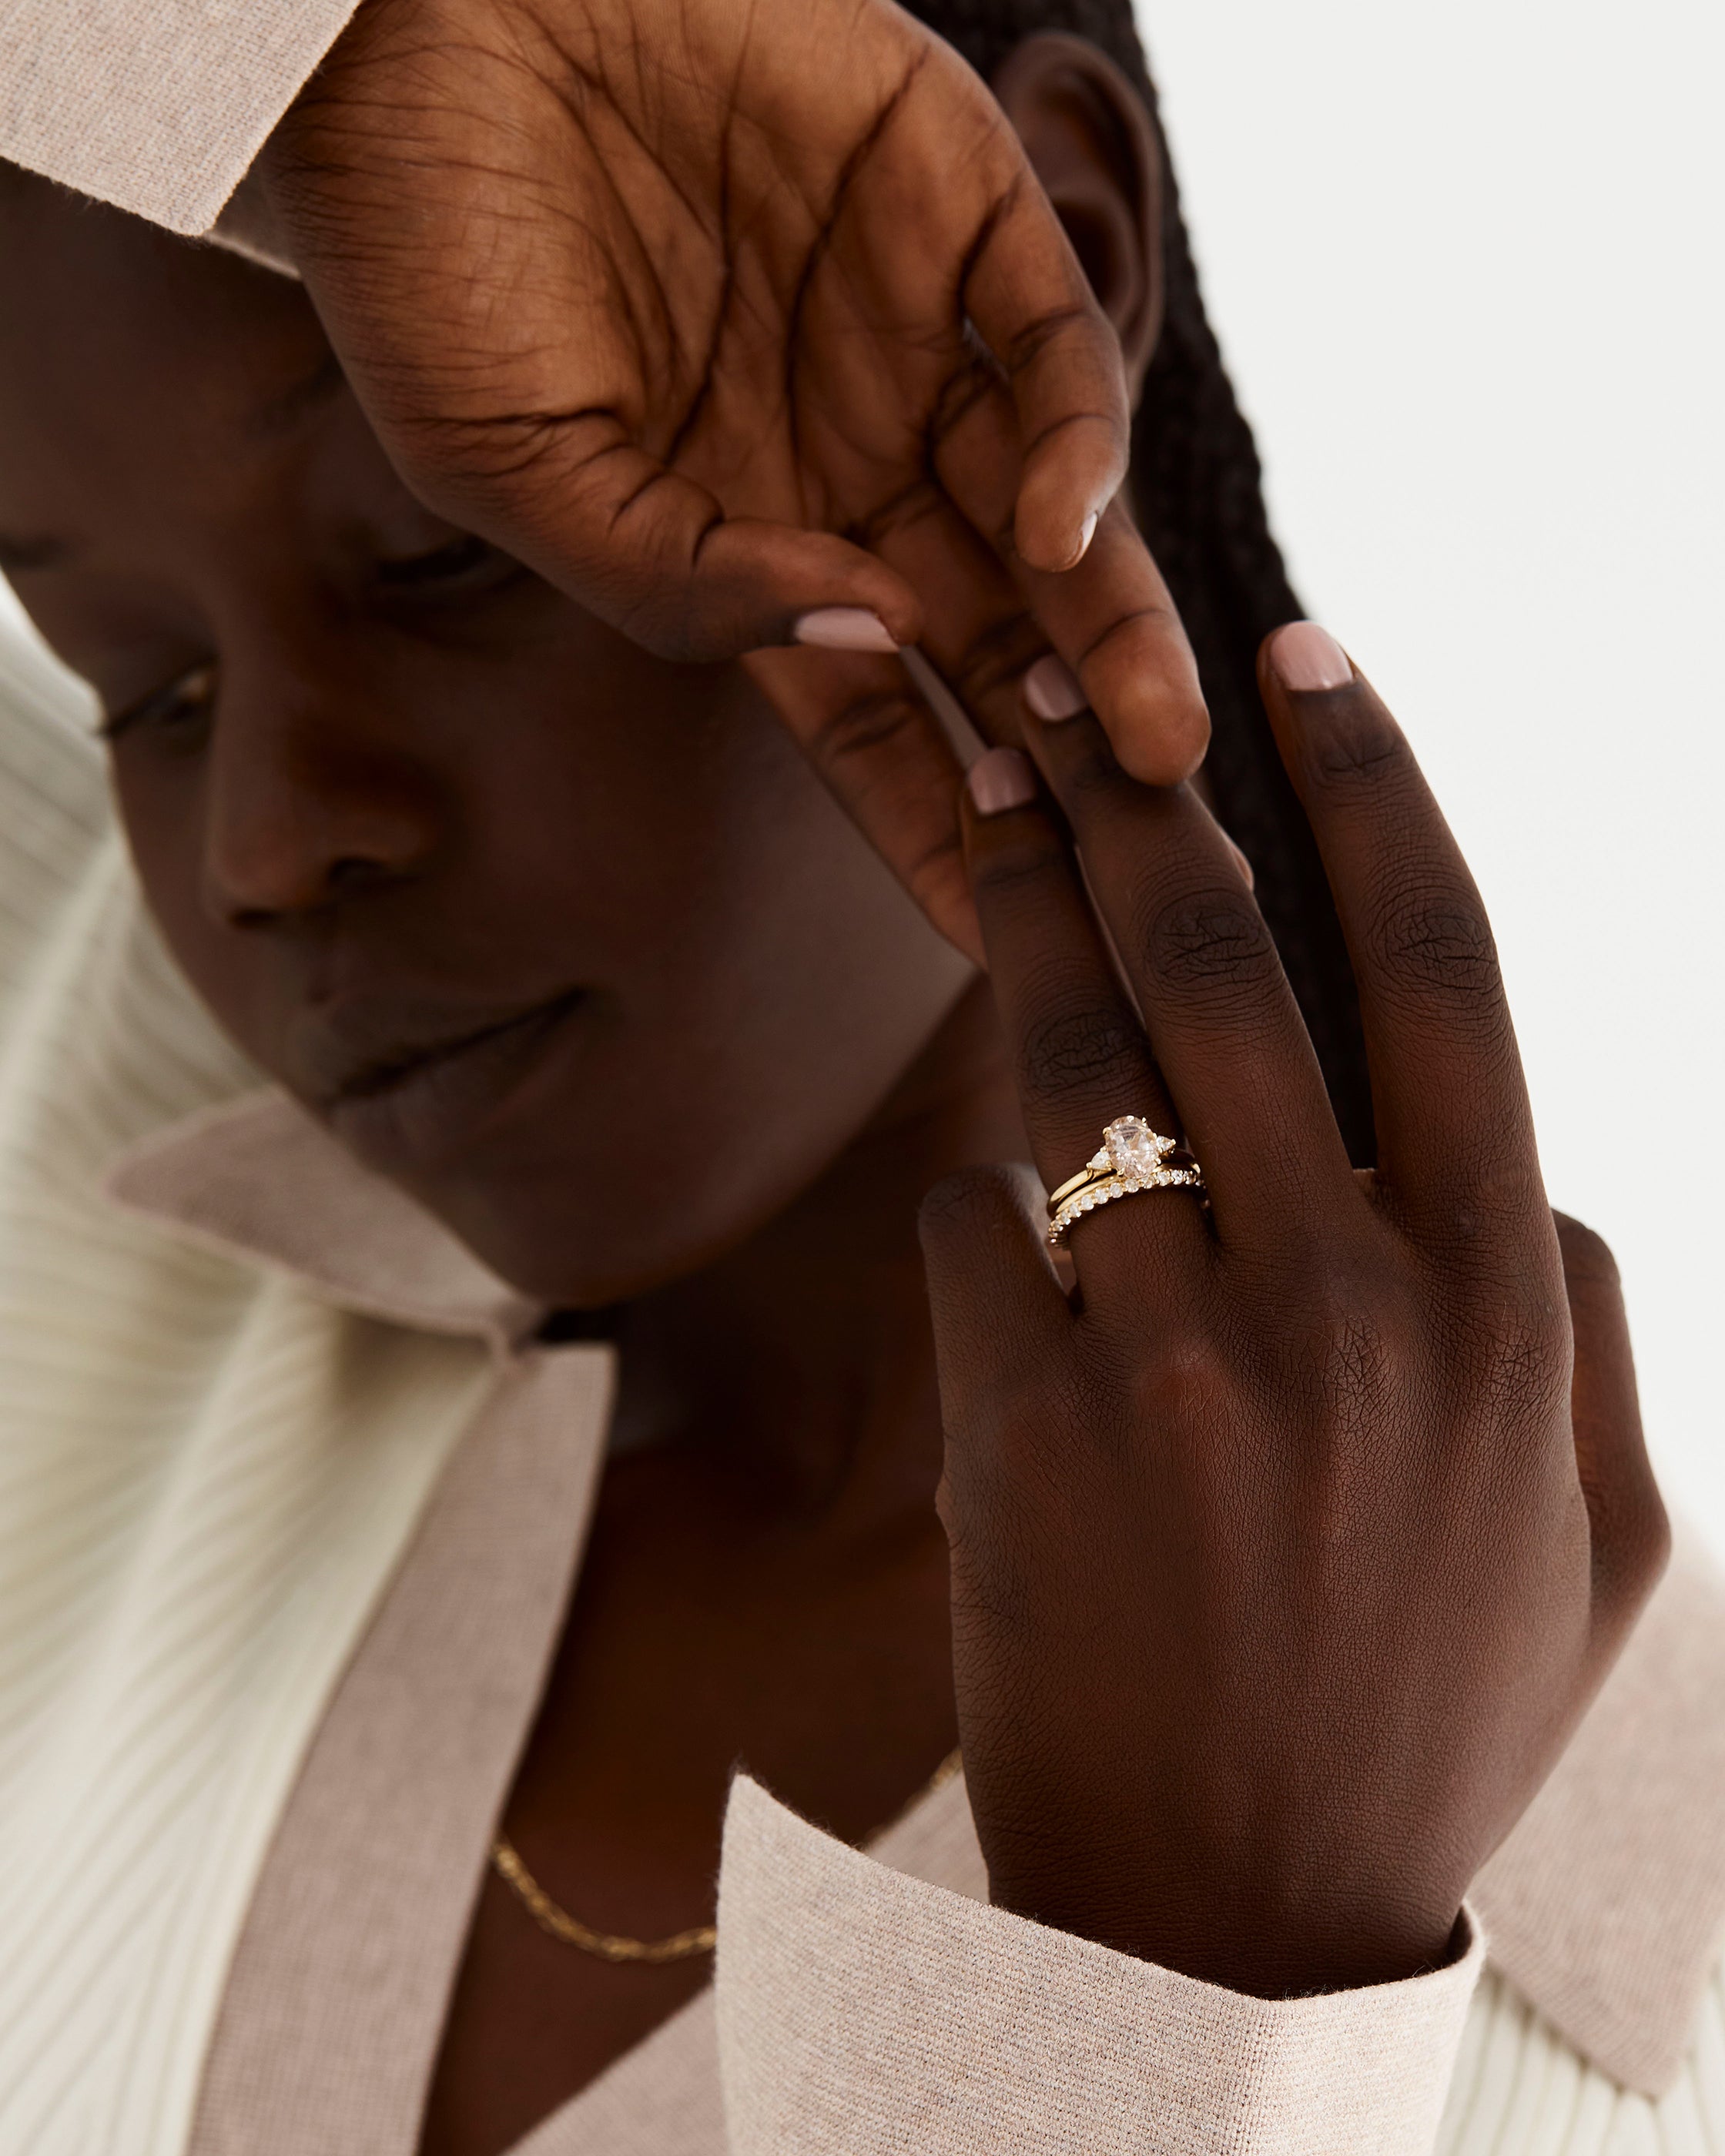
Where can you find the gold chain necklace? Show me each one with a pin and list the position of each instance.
(615, 1946)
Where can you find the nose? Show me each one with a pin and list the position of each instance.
(309, 802)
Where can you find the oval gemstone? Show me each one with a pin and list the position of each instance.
(1133, 1147)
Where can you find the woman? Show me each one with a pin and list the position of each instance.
(1287, 1554)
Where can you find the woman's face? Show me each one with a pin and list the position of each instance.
(565, 940)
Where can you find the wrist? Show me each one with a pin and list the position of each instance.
(1267, 1942)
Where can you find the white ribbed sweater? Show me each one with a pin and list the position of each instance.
(205, 1475)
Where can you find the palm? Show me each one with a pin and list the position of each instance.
(718, 316)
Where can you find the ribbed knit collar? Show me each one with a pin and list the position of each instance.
(1605, 1908)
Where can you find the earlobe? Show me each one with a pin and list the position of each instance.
(1089, 135)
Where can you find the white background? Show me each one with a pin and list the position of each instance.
(1466, 263)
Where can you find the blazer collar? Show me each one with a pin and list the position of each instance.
(257, 1179)
(1605, 1908)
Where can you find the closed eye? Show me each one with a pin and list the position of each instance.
(463, 563)
(189, 697)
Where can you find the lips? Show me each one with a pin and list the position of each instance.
(405, 1084)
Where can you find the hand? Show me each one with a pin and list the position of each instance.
(1287, 1554)
(684, 304)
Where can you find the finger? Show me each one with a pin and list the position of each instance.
(1033, 307)
(996, 1301)
(1455, 1130)
(1080, 1056)
(882, 751)
(1223, 1023)
(1631, 1536)
(981, 636)
(1111, 619)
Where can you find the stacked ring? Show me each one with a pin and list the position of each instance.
(1133, 1158)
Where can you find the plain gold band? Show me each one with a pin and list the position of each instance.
(1074, 1184)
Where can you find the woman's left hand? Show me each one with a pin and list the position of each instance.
(747, 327)
(1288, 1551)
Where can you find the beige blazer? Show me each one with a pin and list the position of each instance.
(158, 107)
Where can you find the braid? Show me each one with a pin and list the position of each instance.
(1197, 491)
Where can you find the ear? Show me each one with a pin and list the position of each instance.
(1089, 136)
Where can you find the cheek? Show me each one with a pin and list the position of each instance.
(776, 985)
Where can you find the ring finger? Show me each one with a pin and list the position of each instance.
(1079, 1053)
(1222, 1020)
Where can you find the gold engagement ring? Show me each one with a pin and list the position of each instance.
(1133, 1158)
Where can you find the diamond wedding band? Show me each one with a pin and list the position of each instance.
(1133, 1158)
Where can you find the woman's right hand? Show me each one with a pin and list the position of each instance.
(1285, 1554)
(684, 302)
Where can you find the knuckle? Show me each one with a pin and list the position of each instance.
(1358, 744)
(1130, 633)
(862, 725)
(1183, 1392)
(1037, 339)
(996, 661)
(1209, 942)
(1488, 1198)
(1355, 1363)
(1086, 768)
(1517, 1360)
(1077, 1049)
(1439, 940)
(1349, 1329)
(967, 389)
(973, 1199)
(1016, 867)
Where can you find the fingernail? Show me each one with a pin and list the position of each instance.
(1087, 531)
(1051, 689)
(1307, 657)
(1001, 779)
(845, 628)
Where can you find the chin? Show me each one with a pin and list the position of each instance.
(586, 1242)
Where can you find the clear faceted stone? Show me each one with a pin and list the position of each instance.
(1133, 1147)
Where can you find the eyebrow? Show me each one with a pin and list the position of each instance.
(19, 555)
(24, 553)
(281, 414)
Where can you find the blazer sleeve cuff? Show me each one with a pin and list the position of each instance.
(158, 107)
(861, 2012)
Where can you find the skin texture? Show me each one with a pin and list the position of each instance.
(750, 254)
(1330, 1448)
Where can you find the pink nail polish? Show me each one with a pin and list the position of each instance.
(1001, 779)
(1307, 657)
(1051, 689)
(845, 628)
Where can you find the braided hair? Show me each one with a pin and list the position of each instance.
(1198, 490)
